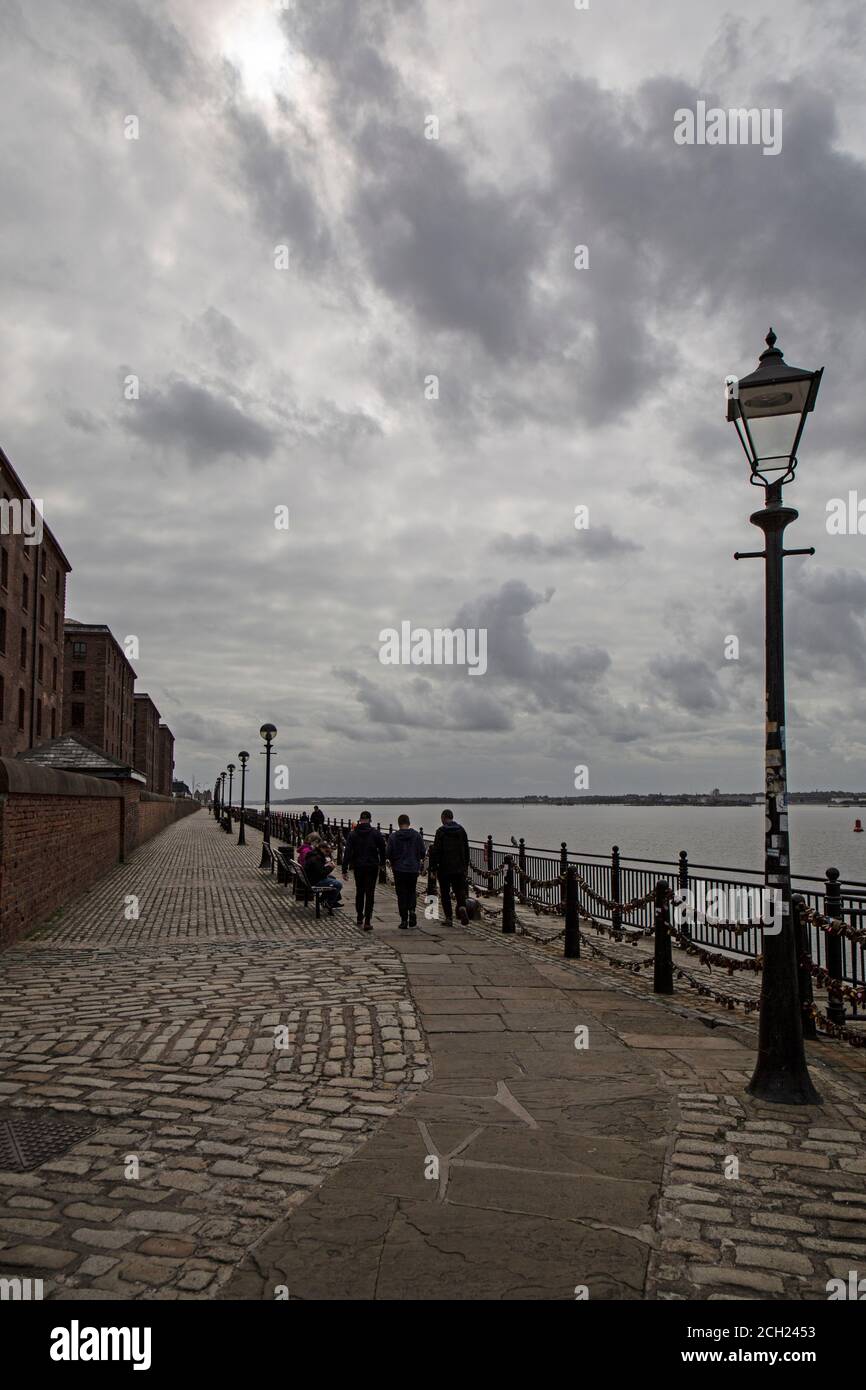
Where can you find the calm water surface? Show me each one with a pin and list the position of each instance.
(731, 836)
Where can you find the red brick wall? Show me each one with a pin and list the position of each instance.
(53, 848)
(61, 832)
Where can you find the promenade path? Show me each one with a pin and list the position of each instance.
(280, 1107)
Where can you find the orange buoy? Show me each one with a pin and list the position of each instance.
(858, 829)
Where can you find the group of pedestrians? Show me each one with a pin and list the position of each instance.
(366, 852)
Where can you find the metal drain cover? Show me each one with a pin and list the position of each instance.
(31, 1137)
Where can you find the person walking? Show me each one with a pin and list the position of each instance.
(317, 818)
(304, 820)
(406, 852)
(364, 854)
(449, 860)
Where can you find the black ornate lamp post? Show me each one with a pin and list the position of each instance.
(243, 759)
(216, 800)
(230, 769)
(268, 733)
(769, 410)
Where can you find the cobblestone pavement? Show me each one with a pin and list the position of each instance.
(230, 1050)
(268, 1119)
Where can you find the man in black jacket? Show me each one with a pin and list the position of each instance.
(406, 851)
(317, 818)
(364, 854)
(449, 859)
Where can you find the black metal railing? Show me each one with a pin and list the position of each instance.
(608, 884)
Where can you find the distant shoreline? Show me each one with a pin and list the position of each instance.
(838, 799)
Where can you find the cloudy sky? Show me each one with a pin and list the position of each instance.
(305, 126)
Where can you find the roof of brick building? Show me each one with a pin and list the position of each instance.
(69, 753)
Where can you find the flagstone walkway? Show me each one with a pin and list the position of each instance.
(282, 1108)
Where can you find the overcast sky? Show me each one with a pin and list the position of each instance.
(261, 126)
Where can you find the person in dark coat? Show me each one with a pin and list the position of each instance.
(317, 818)
(364, 854)
(317, 867)
(406, 851)
(449, 859)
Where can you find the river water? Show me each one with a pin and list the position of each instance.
(730, 836)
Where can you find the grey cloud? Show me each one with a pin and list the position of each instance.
(595, 543)
(216, 334)
(556, 680)
(274, 176)
(82, 420)
(688, 682)
(154, 42)
(203, 425)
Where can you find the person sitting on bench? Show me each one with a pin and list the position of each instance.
(317, 868)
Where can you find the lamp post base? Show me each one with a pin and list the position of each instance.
(772, 1083)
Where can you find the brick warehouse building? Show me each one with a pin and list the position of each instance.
(32, 604)
(98, 689)
(166, 760)
(145, 754)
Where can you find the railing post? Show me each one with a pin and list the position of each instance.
(663, 972)
(685, 925)
(572, 923)
(383, 868)
(508, 916)
(521, 860)
(833, 908)
(615, 887)
(804, 974)
(563, 869)
(488, 854)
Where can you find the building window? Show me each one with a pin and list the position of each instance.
(41, 610)
(3, 631)
(2, 699)
(21, 710)
(78, 681)
(23, 649)
(56, 620)
(4, 567)
(43, 562)
(25, 592)
(79, 649)
(40, 662)
(77, 716)
(57, 584)
(54, 673)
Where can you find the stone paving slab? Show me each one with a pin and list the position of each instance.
(529, 1168)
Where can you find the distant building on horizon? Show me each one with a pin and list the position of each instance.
(33, 571)
(98, 689)
(166, 760)
(146, 756)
